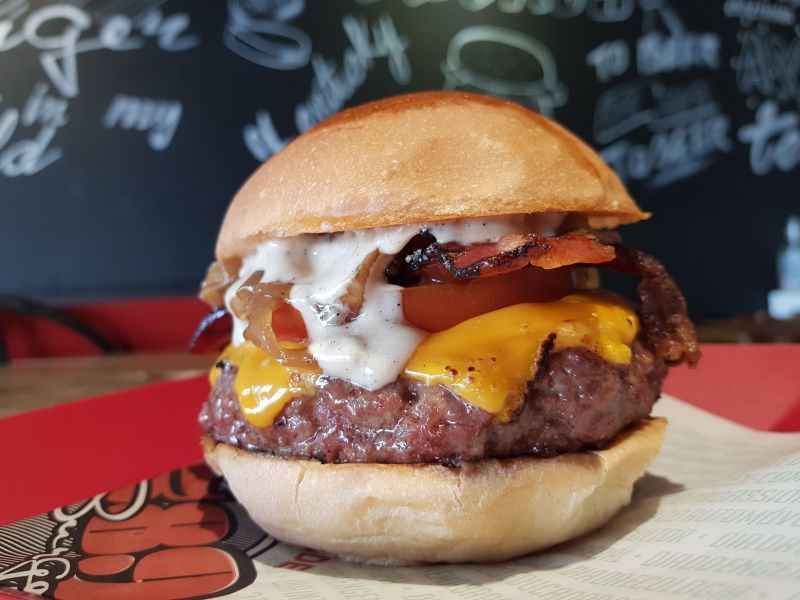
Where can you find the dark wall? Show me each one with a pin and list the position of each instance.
(126, 126)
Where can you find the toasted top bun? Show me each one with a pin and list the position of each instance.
(425, 157)
(487, 511)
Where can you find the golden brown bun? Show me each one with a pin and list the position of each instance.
(488, 511)
(431, 156)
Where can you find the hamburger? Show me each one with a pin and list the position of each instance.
(422, 365)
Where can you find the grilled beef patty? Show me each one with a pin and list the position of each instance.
(577, 401)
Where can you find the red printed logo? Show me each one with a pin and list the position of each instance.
(169, 537)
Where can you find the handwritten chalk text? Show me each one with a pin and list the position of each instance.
(774, 139)
(159, 118)
(332, 85)
(30, 155)
(58, 31)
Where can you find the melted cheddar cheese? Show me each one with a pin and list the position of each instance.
(486, 360)
(263, 385)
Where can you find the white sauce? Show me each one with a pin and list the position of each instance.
(372, 350)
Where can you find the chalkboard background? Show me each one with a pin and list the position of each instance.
(126, 126)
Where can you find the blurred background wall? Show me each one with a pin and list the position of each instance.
(127, 125)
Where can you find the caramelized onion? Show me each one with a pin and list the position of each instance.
(219, 277)
(353, 298)
(255, 302)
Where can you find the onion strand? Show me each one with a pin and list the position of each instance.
(256, 302)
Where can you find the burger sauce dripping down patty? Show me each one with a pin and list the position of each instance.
(576, 400)
(371, 349)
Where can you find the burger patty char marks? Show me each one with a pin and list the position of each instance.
(577, 401)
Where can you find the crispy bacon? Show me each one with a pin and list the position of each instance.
(426, 261)
(665, 320)
(574, 249)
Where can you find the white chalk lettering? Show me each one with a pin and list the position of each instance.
(262, 138)
(545, 93)
(671, 154)
(159, 118)
(332, 84)
(622, 109)
(31, 155)
(758, 10)
(259, 32)
(170, 31)
(774, 139)
(659, 53)
(768, 64)
(57, 31)
(611, 11)
(609, 59)
(601, 11)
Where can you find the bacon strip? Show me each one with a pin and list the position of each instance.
(432, 262)
(574, 249)
(665, 319)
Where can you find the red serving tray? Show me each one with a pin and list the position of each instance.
(59, 455)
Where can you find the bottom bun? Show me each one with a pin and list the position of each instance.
(487, 511)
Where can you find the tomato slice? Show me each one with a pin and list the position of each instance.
(440, 306)
(288, 325)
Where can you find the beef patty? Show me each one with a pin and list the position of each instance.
(577, 401)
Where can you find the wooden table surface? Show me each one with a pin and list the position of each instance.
(38, 383)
